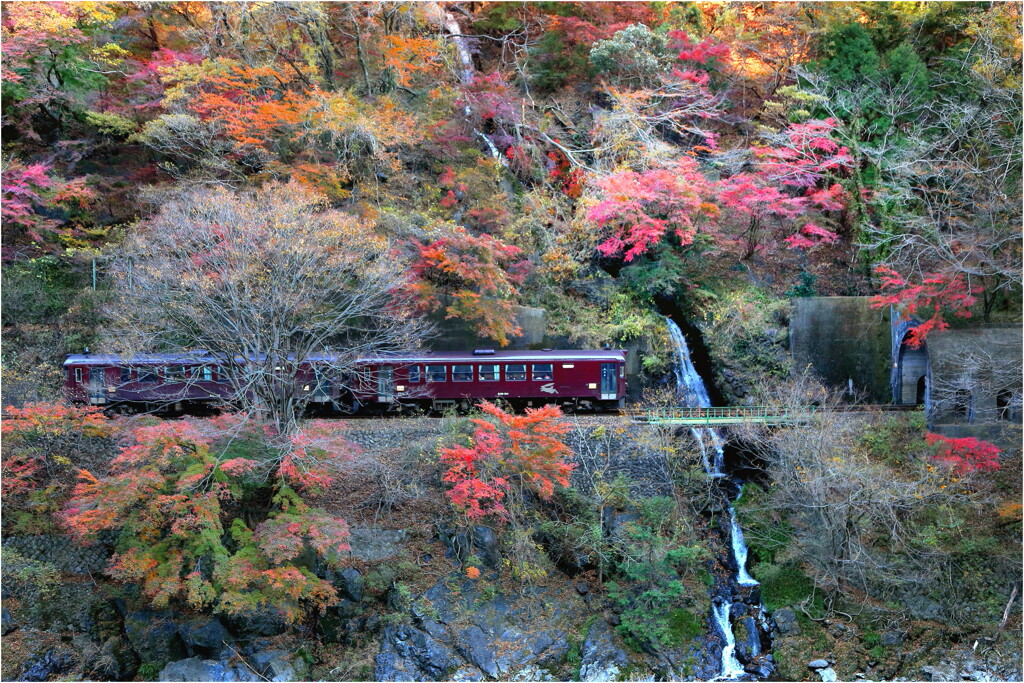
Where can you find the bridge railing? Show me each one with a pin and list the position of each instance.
(722, 415)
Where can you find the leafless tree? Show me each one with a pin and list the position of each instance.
(949, 167)
(264, 281)
(854, 518)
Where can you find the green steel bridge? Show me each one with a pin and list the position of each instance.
(716, 417)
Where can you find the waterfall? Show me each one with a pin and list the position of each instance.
(739, 550)
(692, 392)
(731, 667)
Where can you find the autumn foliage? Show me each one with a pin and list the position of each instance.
(510, 458)
(965, 455)
(40, 441)
(931, 299)
(169, 496)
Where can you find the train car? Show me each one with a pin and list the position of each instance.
(145, 382)
(574, 380)
(430, 381)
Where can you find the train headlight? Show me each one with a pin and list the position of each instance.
(592, 386)
(400, 387)
(305, 388)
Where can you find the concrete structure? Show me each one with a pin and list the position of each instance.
(845, 341)
(968, 379)
(975, 375)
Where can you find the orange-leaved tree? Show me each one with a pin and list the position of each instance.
(174, 497)
(43, 443)
(480, 274)
(510, 459)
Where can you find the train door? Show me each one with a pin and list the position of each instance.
(609, 382)
(385, 384)
(97, 394)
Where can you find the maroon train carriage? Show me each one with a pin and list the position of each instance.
(430, 381)
(574, 380)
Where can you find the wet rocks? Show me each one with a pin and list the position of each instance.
(748, 639)
(817, 664)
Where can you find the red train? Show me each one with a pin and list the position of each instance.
(574, 380)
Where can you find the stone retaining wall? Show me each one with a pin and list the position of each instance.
(61, 552)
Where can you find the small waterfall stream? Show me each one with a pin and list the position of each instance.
(692, 392)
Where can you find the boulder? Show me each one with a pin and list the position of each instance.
(154, 635)
(198, 669)
(376, 545)
(785, 622)
(350, 583)
(279, 665)
(892, 639)
(938, 673)
(7, 623)
(828, 675)
(206, 637)
(817, 664)
(49, 664)
(602, 659)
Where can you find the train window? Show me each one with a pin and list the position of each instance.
(174, 372)
(437, 373)
(462, 373)
(78, 374)
(515, 373)
(222, 374)
(542, 372)
(489, 373)
(126, 375)
(205, 373)
(414, 373)
(148, 375)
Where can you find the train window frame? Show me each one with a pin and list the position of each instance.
(493, 376)
(204, 374)
(543, 376)
(515, 375)
(222, 375)
(414, 374)
(148, 375)
(432, 376)
(460, 372)
(173, 376)
(78, 375)
(127, 375)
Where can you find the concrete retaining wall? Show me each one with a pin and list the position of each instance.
(843, 338)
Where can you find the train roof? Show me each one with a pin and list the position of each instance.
(479, 356)
(504, 356)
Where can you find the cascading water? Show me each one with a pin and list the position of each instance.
(692, 392)
(731, 667)
(739, 551)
